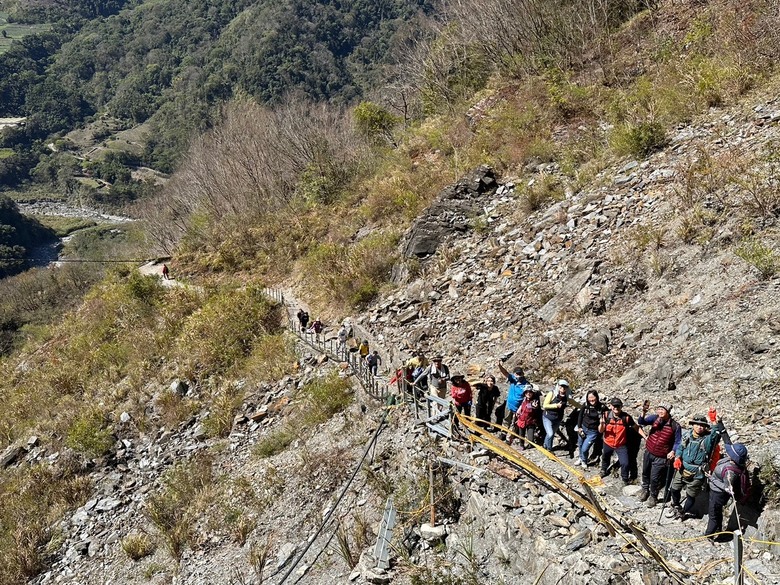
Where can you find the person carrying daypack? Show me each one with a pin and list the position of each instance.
(614, 427)
(373, 361)
(514, 395)
(317, 327)
(661, 442)
(730, 479)
(363, 349)
(692, 461)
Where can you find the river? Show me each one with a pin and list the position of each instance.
(49, 253)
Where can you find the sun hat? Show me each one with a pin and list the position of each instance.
(699, 419)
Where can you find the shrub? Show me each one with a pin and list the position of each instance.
(541, 192)
(173, 509)
(761, 257)
(271, 358)
(137, 546)
(637, 139)
(224, 332)
(275, 442)
(32, 499)
(375, 123)
(224, 405)
(350, 275)
(90, 434)
(324, 397)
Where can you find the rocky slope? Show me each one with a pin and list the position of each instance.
(598, 287)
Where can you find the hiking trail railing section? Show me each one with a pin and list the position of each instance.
(375, 386)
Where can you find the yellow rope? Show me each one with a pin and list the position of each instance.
(751, 575)
(769, 542)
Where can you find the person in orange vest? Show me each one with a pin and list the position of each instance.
(614, 427)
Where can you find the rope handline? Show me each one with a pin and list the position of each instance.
(330, 513)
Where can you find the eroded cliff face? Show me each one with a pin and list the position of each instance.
(635, 283)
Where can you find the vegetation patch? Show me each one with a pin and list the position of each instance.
(31, 502)
(187, 490)
(761, 256)
(319, 401)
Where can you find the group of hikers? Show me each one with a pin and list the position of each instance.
(675, 460)
(344, 336)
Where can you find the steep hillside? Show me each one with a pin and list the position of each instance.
(588, 194)
(600, 287)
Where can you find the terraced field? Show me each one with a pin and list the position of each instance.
(10, 31)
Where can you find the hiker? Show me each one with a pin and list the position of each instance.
(303, 318)
(692, 461)
(487, 394)
(588, 423)
(661, 442)
(373, 361)
(438, 374)
(614, 427)
(528, 418)
(555, 402)
(460, 390)
(341, 346)
(363, 349)
(317, 328)
(415, 370)
(729, 479)
(514, 395)
(165, 272)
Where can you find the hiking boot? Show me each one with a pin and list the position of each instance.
(643, 495)
(674, 511)
(627, 482)
(651, 501)
(604, 473)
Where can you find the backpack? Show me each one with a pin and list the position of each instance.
(744, 481)
(701, 451)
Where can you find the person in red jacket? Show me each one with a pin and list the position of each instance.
(661, 441)
(614, 428)
(528, 419)
(460, 390)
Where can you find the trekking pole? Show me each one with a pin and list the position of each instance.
(667, 491)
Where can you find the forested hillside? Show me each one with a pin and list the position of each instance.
(173, 63)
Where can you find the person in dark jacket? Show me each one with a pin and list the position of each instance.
(553, 409)
(588, 423)
(726, 482)
(661, 442)
(487, 395)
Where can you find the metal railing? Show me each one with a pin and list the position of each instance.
(374, 386)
